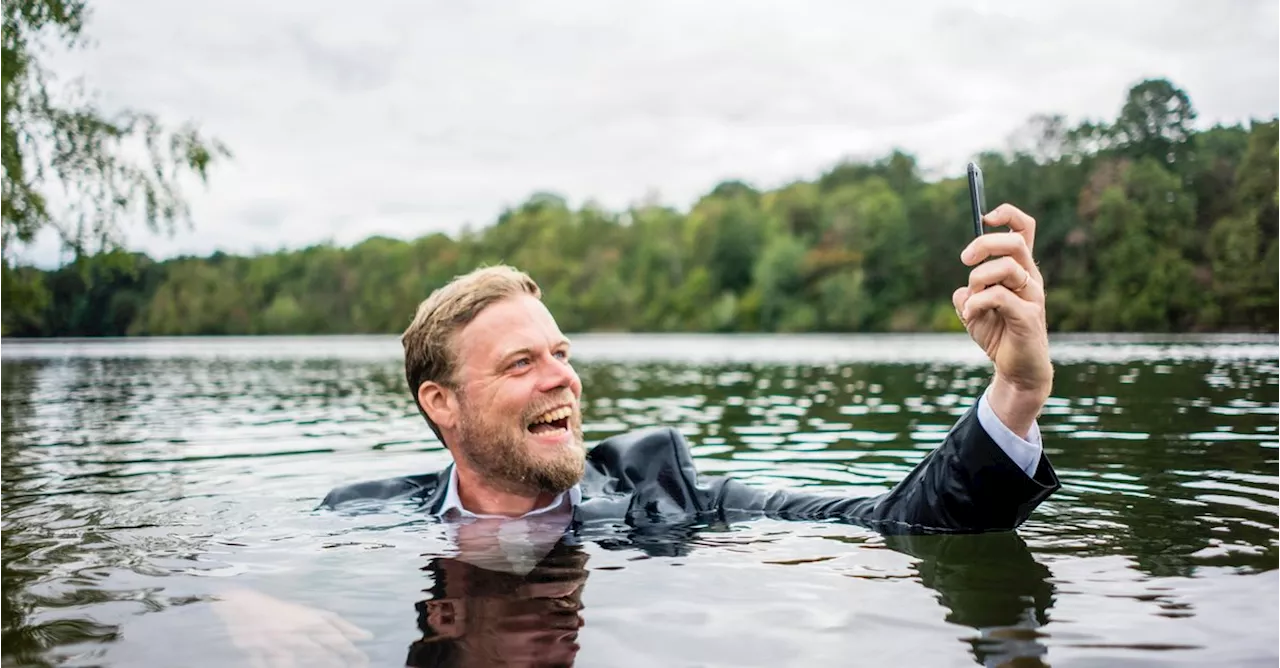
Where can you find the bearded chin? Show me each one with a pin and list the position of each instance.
(504, 459)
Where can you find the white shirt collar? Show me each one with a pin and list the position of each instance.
(452, 506)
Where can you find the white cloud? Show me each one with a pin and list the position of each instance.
(405, 118)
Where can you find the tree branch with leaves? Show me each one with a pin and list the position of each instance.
(111, 166)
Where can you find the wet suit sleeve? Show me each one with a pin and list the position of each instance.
(968, 484)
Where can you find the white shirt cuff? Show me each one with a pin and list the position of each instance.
(1024, 452)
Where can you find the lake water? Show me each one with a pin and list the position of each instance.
(144, 478)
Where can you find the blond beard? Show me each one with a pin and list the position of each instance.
(502, 457)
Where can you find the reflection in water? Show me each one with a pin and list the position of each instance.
(481, 617)
(477, 615)
(141, 479)
(991, 583)
(42, 529)
(15, 407)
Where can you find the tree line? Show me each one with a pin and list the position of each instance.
(1144, 224)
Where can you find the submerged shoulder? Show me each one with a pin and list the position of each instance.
(385, 489)
(648, 437)
(653, 465)
(650, 445)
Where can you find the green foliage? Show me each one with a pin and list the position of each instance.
(55, 136)
(1140, 235)
(1242, 244)
(25, 299)
(1143, 225)
(1155, 121)
(779, 279)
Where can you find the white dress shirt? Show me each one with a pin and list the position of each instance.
(1025, 452)
(506, 544)
(452, 508)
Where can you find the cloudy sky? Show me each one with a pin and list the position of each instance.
(402, 118)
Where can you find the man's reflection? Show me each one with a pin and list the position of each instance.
(479, 616)
(488, 615)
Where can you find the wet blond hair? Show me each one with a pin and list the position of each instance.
(430, 352)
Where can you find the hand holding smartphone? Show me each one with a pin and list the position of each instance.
(976, 202)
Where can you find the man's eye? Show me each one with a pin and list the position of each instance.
(523, 361)
(563, 354)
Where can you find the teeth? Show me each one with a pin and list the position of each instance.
(552, 416)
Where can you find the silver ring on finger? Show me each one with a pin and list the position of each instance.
(1025, 282)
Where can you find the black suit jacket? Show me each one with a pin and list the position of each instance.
(647, 477)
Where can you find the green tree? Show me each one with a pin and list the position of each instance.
(870, 219)
(656, 263)
(780, 279)
(1127, 240)
(25, 299)
(1257, 173)
(55, 134)
(1145, 281)
(1213, 163)
(1155, 121)
(799, 207)
(1242, 244)
(727, 231)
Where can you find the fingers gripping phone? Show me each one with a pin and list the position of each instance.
(976, 197)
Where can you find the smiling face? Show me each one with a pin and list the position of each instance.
(517, 420)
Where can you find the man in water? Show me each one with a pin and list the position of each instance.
(490, 371)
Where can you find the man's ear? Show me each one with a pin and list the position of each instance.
(447, 617)
(440, 403)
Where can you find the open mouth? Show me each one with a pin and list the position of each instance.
(552, 422)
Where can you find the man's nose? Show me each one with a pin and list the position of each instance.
(557, 374)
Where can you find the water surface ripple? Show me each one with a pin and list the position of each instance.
(144, 478)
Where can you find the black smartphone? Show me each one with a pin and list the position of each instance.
(975, 197)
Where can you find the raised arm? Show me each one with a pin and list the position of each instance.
(1002, 307)
(989, 473)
